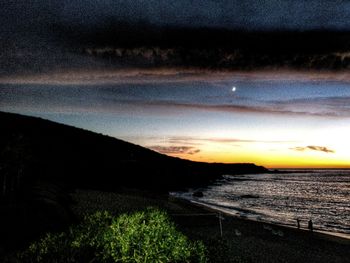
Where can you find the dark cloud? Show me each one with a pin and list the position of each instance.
(327, 55)
(253, 14)
(182, 75)
(175, 149)
(36, 35)
(343, 102)
(235, 108)
(313, 148)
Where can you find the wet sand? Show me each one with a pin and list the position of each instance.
(225, 212)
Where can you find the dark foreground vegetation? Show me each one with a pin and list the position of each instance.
(147, 236)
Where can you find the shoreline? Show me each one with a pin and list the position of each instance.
(236, 240)
(227, 213)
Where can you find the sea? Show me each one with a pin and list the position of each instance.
(322, 196)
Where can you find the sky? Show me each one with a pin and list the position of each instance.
(275, 118)
(249, 14)
(31, 38)
(283, 119)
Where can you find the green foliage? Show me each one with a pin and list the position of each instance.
(147, 236)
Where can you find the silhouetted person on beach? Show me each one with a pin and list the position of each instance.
(310, 226)
(298, 223)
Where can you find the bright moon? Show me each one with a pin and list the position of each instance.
(233, 89)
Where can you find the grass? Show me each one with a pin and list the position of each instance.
(144, 236)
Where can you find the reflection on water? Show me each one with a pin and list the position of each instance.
(320, 195)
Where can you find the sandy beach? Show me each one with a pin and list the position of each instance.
(232, 214)
(242, 240)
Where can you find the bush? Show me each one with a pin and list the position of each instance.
(147, 236)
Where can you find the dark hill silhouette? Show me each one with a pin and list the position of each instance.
(33, 149)
(42, 161)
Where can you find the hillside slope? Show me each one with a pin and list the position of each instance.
(34, 149)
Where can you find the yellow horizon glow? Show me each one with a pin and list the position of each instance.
(271, 162)
(275, 154)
